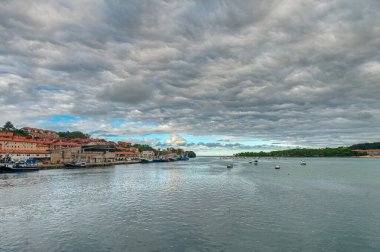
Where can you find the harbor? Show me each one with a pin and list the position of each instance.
(44, 149)
(4, 167)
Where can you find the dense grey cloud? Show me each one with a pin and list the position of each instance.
(297, 72)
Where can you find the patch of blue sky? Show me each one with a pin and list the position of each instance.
(60, 122)
(115, 138)
(118, 122)
(64, 119)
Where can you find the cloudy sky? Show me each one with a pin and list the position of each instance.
(213, 76)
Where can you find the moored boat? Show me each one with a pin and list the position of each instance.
(17, 167)
(74, 165)
(146, 160)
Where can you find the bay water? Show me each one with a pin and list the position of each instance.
(330, 204)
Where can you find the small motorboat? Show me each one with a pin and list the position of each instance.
(230, 166)
(277, 167)
(303, 162)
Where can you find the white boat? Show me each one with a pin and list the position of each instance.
(303, 162)
(230, 165)
(277, 167)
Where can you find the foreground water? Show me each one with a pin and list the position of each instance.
(199, 205)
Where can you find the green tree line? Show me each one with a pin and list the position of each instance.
(365, 146)
(73, 134)
(323, 152)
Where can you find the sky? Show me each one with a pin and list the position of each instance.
(217, 77)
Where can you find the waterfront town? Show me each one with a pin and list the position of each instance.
(46, 148)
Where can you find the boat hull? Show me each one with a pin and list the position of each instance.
(5, 169)
(74, 166)
(146, 161)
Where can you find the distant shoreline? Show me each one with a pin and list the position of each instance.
(372, 156)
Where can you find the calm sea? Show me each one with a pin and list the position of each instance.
(199, 205)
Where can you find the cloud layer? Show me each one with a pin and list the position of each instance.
(296, 72)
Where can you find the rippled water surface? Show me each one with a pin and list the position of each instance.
(198, 205)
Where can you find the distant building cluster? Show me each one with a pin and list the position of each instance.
(48, 147)
(370, 152)
(40, 133)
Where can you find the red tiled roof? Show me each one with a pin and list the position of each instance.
(6, 134)
(25, 151)
(23, 139)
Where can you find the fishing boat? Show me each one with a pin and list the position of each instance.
(17, 167)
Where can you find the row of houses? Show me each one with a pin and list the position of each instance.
(58, 151)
